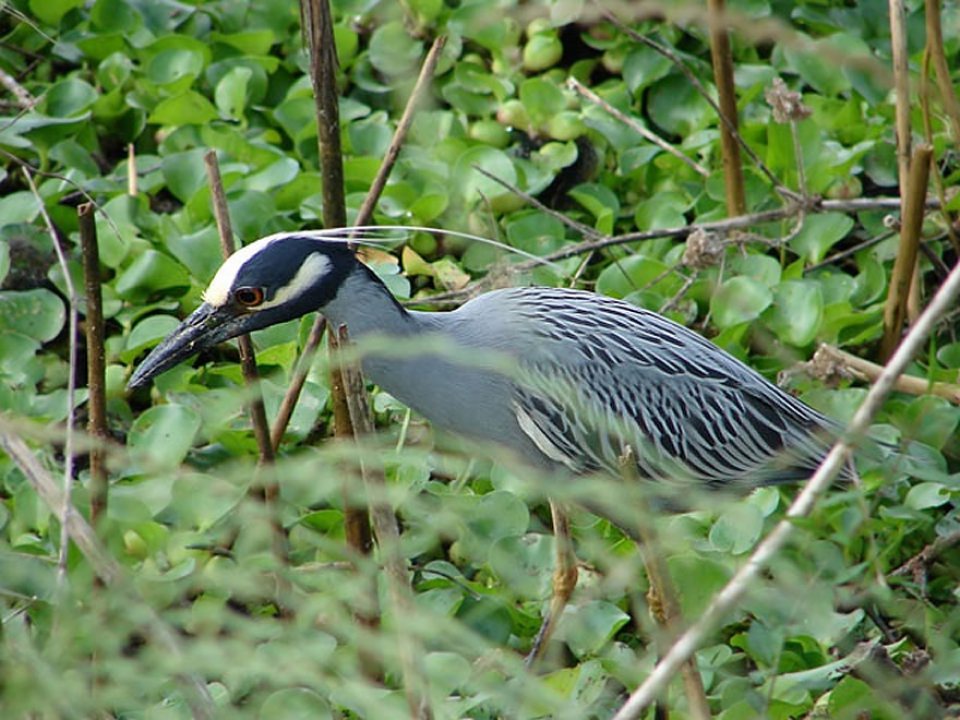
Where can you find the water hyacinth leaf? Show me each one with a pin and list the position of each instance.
(797, 312)
(820, 233)
(739, 300)
(587, 627)
(38, 314)
(164, 434)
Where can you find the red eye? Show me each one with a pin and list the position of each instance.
(248, 296)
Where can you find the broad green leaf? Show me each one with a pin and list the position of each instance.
(524, 563)
(69, 97)
(797, 312)
(18, 207)
(151, 272)
(737, 529)
(232, 93)
(174, 64)
(819, 233)
(185, 173)
(295, 702)
(739, 300)
(587, 627)
(472, 185)
(150, 331)
(392, 50)
(187, 108)
(50, 11)
(164, 434)
(630, 274)
(927, 495)
(447, 672)
(38, 313)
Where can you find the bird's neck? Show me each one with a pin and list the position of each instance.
(366, 307)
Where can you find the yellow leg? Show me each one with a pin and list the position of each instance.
(564, 580)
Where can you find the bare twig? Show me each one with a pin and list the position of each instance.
(636, 126)
(132, 185)
(289, 402)
(835, 361)
(25, 101)
(903, 268)
(730, 595)
(920, 561)
(727, 95)
(901, 86)
(388, 539)
(400, 134)
(248, 359)
(103, 565)
(941, 66)
(96, 364)
(695, 81)
(71, 379)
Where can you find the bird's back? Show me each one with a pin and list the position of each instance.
(594, 374)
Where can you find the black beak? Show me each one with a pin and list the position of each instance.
(203, 329)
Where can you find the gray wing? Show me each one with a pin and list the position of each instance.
(602, 374)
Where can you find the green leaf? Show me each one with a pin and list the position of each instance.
(927, 495)
(151, 272)
(588, 627)
(38, 314)
(677, 107)
(601, 202)
(184, 173)
(542, 99)
(392, 51)
(819, 233)
(297, 702)
(232, 93)
(797, 312)
(69, 97)
(447, 672)
(175, 65)
(50, 11)
(737, 529)
(187, 108)
(472, 185)
(164, 434)
(19, 207)
(524, 564)
(150, 331)
(739, 300)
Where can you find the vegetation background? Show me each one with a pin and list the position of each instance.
(203, 599)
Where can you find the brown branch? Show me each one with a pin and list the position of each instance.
(636, 126)
(894, 311)
(104, 566)
(96, 364)
(289, 403)
(400, 134)
(727, 95)
(749, 572)
(920, 561)
(317, 25)
(662, 596)
(266, 490)
(698, 86)
(942, 68)
(388, 537)
(25, 101)
(248, 358)
(830, 361)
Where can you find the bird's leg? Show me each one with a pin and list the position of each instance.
(564, 579)
(662, 597)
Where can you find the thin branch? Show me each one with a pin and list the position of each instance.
(388, 538)
(903, 267)
(248, 358)
(931, 552)
(289, 402)
(71, 381)
(96, 364)
(400, 134)
(831, 362)
(941, 66)
(662, 597)
(25, 101)
(668, 53)
(901, 87)
(748, 573)
(727, 108)
(636, 126)
(102, 563)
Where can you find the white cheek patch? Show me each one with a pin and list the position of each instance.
(309, 275)
(218, 291)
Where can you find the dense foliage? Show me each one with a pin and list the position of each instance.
(116, 103)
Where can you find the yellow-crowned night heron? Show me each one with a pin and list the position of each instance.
(593, 374)
(587, 375)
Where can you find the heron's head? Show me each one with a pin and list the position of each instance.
(272, 280)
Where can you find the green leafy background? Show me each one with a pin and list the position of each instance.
(171, 80)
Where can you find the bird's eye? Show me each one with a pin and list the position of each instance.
(248, 296)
